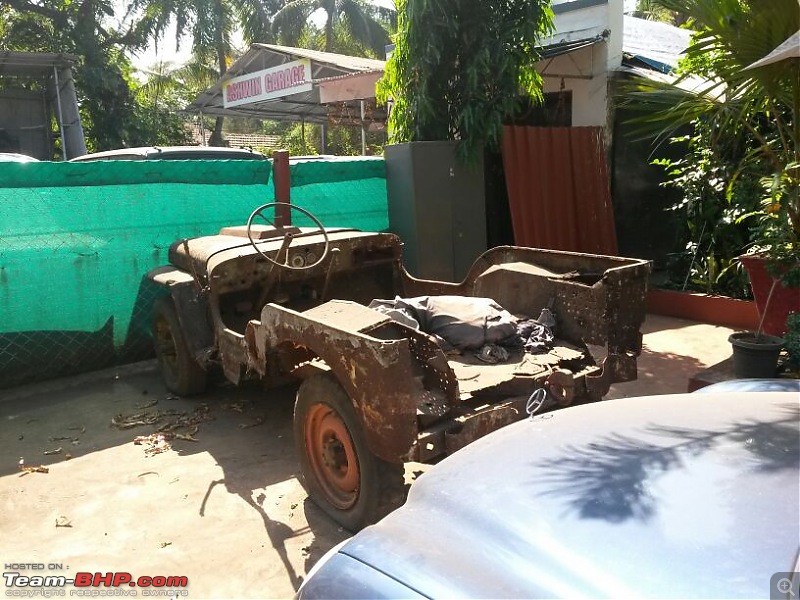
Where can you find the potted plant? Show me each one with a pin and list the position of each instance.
(756, 354)
(792, 342)
(774, 261)
(459, 70)
(752, 107)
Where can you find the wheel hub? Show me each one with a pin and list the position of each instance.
(332, 455)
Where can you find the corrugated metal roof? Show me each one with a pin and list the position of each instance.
(342, 61)
(565, 47)
(34, 63)
(659, 44)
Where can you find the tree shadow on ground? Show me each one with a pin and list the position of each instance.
(252, 441)
(246, 429)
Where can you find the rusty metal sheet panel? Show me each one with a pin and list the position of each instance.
(592, 192)
(558, 188)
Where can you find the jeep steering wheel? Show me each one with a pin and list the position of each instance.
(288, 237)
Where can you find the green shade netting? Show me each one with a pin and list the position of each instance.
(76, 240)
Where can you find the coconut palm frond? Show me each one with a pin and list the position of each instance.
(290, 21)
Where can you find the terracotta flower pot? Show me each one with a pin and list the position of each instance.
(783, 302)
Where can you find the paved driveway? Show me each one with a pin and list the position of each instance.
(224, 511)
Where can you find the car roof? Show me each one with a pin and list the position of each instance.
(173, 153)
(667, 496)
(16, 157)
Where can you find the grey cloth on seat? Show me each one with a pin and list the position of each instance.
(465, 322)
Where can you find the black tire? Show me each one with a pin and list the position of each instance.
(182, 374)
(347, 481)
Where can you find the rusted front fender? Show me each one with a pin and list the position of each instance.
(376, 374)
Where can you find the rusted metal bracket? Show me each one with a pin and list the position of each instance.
(615, 368)
(561, 386)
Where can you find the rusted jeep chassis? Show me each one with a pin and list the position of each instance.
(376, 392)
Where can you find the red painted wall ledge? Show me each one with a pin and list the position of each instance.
(715, 310)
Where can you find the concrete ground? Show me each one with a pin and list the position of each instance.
(222, 507)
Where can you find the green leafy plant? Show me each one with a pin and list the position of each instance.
(752, 113)
(792, 341)
(460, 68)
(717, 218)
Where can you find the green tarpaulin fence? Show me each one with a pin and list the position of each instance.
(77, 238)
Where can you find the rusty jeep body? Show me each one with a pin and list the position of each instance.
(278, 303)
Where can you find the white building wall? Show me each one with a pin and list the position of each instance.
(586, 71)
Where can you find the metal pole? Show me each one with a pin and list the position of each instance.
(281, 181)
(60, 117)
(363, 132)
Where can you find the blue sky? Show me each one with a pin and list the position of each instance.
(165, 50)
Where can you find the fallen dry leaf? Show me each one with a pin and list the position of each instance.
(63, 521)
(144, 418)
(25, 470)
(258, 421)
(155, 443)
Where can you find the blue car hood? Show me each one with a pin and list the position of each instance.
(690, 496)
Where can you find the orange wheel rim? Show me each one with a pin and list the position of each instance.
(332, 455)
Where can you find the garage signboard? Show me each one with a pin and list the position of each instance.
(284, 80)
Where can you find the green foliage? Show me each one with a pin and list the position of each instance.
(342, 41)
(653, 11)
(354, 23)
(156, 117)
(459, 69)
(792, 340)
(747, 120)
(341, 140)
(293, 140)
(717, 219)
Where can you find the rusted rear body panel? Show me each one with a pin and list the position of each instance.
(597, 299)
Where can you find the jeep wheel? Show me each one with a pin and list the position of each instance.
(181, 372)
(349, 483)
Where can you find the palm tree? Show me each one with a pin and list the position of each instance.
(653, 11)
(210, 25)
(79, 27)
(363, 22)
